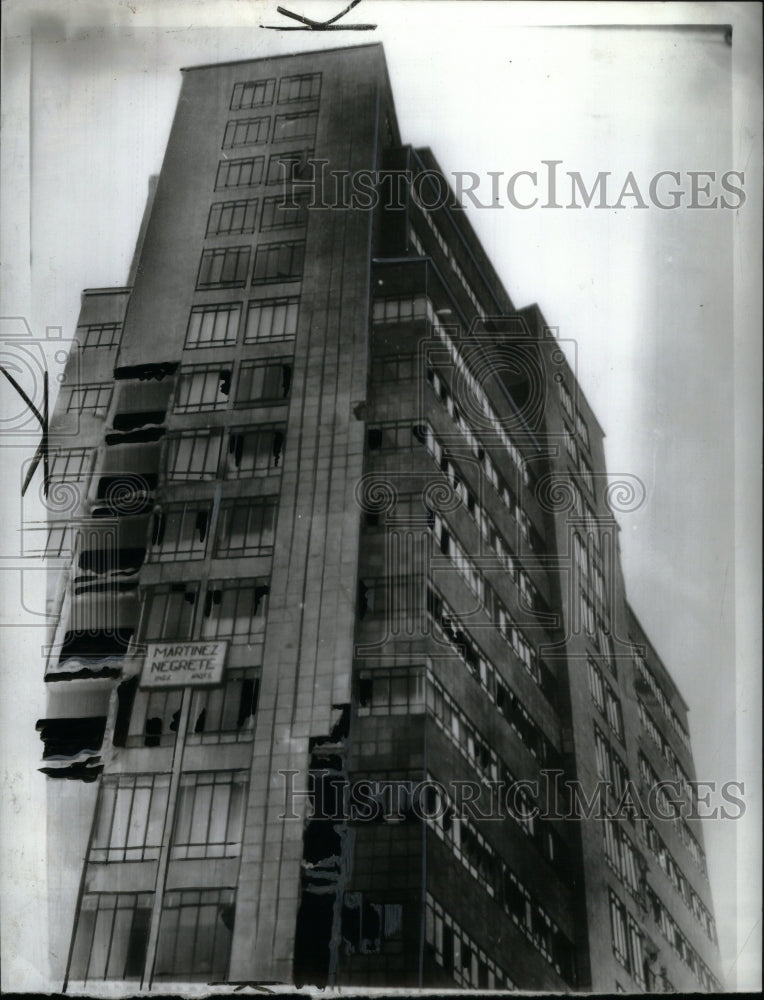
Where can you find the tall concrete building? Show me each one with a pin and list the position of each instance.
(344, 651)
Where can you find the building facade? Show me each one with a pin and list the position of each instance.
(345, 678)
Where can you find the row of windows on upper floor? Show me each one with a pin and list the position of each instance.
(680, 945)
(131, 810)
(489, 678)
(260, 93)
(412, 690)
(416, 242)
(456, 952)
(665, 749)
(650, 779)
(200, 388)
(678, 879)
(501, 883)
(225, 713)
(628, 943)
(194, 942)
(229, 267)
(629, 865)
(652, 686)
(582, 468)
(228, 218)
(284, 167)
(216, 325)
(179, 532)
(416, 307)
(575, 418)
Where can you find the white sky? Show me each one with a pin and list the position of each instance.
(647, 295)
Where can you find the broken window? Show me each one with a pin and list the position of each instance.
(209, 816)
(169, 611)
(154, 718)
(225, 714)
(130, 818)
(101, 626)
(261, 382)
(202, 388)
(253, 452)
(69, 740)
(366, 923)
(180, 531)
(234, 609)
(246, 527)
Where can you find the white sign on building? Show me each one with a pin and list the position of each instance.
(180, 664)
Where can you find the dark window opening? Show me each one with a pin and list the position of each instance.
(374, 438)
(132, 421)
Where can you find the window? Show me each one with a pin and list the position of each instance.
(456, 952)
(279, 261)
(289, 166)
(583, 430)
(130, 818)
(213, 326)
(90, 398)
(168, 611)
(301, 125)
(71, 465)
(223, 268)
(180, 531)
(252, 94)
(209, 816)
(391, 692)
(246, 527)
(99, 335)
(195, 934)
(225, 714)
(240, 173)
(202, 388)
(234, 609)
(394, 368)
(246, 132)
(613, 712)
(400, 310)
(271, 319)
(154, 718)
(232, 217)
(280, 214)
(263, 381)
(112, 935)
(394, 436)
(618, 930)
(565, 399)
(299, 88)
(596, 686)
(253, 452)
(194, 455)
